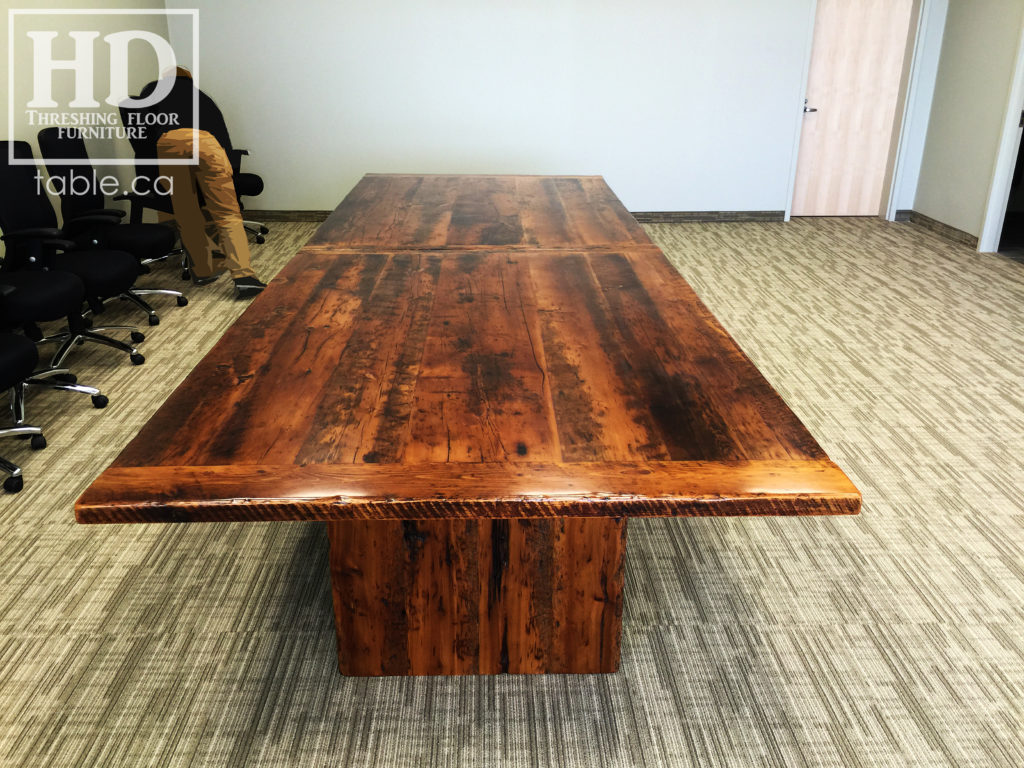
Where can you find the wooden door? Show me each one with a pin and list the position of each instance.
(854, 82)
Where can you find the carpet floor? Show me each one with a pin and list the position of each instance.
(895, 638)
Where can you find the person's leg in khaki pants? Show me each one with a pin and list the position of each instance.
(220, 213)
(162, 217)
(177, 145)
(214, 176)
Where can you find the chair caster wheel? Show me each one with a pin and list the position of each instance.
(137, 358)
(182, 301)
(260, 239)
(66, 378)
(185, 275)
(138, 337)
(38, 442)
(87, 322)
(100, 401)
(14, 484)
(154, 320)
(263, 230)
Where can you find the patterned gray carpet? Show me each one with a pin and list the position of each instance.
(892, 639)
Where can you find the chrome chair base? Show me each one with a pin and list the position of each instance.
(256, 229)
(47, 379)
(14, 482)
(68, 339)
(165, 257)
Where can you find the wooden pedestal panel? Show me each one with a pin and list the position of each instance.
(454, 597)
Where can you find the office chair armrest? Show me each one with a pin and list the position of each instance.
(43, 235)
(114, 213)
(38, 233)
(94, 219)
(235, 158)
(133, 197)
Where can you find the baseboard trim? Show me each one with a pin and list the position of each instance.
(685, 217)
(255, 215)
(944, 230)
(646, 217)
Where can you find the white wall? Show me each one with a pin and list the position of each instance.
(688, 105)
(972, 92)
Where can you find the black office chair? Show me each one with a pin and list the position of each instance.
(35, 244)
(82, 201)
(246, 184)
(18, 358)
(212, 120)
(30, 297)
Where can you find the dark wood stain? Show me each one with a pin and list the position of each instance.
(395, 212)
(407, 610)
(475, 381)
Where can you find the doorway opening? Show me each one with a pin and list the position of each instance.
(1011, 238)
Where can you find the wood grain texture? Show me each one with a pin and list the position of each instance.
(445, 597)
(475, 381)
(392, 212)
(467, 490)
(473, 357)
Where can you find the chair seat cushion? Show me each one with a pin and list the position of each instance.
(40, 296)
(143, 241)
(18, 358)
(104, 273)
(248, 184)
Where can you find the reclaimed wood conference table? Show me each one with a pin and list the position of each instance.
(475, 381)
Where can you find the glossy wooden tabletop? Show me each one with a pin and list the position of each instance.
(499, 347)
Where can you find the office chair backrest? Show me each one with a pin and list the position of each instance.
(77, 183)
(212, 120)
(78, 187)
(23, 200)
(145, 150)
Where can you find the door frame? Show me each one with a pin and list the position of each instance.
(907, 149)
(798, 108)
(1006, 160)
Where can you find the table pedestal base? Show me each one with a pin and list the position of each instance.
(481, 596)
